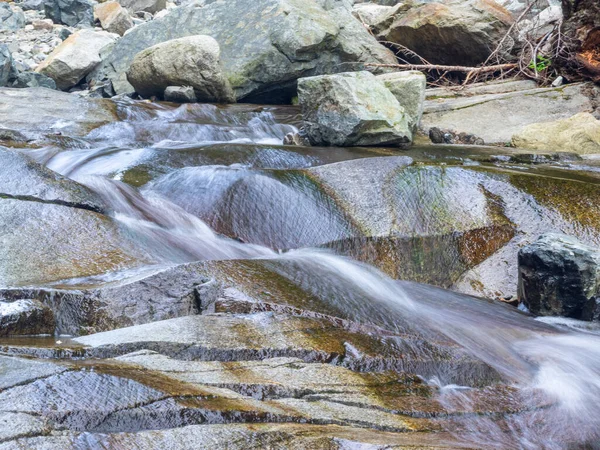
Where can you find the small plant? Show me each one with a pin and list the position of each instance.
(541, 63)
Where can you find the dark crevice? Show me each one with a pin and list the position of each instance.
(29, 198)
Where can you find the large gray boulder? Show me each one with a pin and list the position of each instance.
(265, 46)
(77, 56)
(351, 109)
(11, 17)
(74, 13)
(409, 89)
(560, 276)
(191, 61)
(453, 32)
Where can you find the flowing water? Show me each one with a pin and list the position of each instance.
(558, 358)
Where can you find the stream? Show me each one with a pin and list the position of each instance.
(207, 183)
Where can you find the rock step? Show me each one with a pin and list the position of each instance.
(149, 391)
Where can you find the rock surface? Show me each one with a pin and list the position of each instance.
(150, 6)
(281, 40)
(180, 94)
(578, 134)
(23, 178)
(74, 13)
(451, 32)
(113, 17)
(6, 65)
(352, 109)
(560, 276)
(25, 317)
(480, 108)
(77, 56)
(11, 17)
(38, 111)
(191, 61)
(409, 89)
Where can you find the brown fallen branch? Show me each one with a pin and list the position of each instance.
(441, 68)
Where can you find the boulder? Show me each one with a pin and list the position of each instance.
(77, 56)
(32, 5)
(265, 47)
(150, 6)
(191, 61)
(409, 89)
(180, 94)
(454, 32)
(25, 317)
(43, 24)
(74, 13)
(6, 64)
(113, 17)
(560, 276)
(351, 109)
(579, 134)
(371, 13)
(11, 17)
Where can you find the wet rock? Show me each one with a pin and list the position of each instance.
(438, 136)
(72, 242)
(17, 425)
(452, 32)
(25, 317)
(17, 371)
(38, 111)
(74, 13)
(77, 56)
(32, 80)
(281, 40)
(149, 6)
(409, 89)
(224, 337)
(74, 239)
(26, 179)
(11, 17)
(12, 135)
(299, 139)
(560, 276)
(244, 436)
(479, 110)
(113, 17)
(578, 134)
(351, 109)
(180, 94)
(191, 61)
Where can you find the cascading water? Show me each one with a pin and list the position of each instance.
(559, 361)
